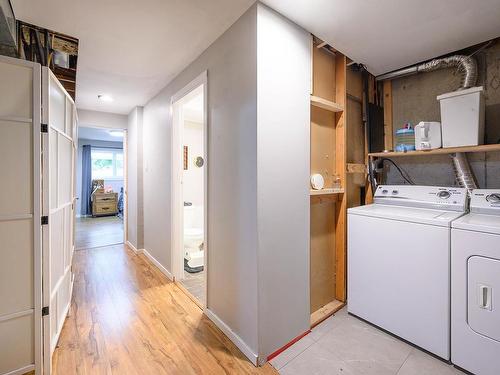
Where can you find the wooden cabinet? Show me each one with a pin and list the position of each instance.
(104, 204)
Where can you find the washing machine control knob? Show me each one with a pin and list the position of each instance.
(444, 194)
(385, 191)
(493, 198)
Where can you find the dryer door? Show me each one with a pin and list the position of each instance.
(483, 296)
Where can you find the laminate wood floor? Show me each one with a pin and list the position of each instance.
(128, 318)
(98, 231)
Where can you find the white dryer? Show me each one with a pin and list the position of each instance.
(475, 285)
(399, 262)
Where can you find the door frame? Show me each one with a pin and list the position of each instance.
(35, 121)
(177, 217)
(47, 79)
(125, 173)
(37, 214)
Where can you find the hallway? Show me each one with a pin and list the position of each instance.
(93, 232)
(127, 318)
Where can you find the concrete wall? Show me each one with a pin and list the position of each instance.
(232, 175)
(414, 100)
(135, 214)
(283, 153)
(95, 119)
(116, 184)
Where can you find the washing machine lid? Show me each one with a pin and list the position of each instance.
(479, 223)
(409, 214)
(484, 212)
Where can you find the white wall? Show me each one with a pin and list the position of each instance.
(232, 173)
(258, 171)
(116, 184)
(95, 119)
(135, 220)
(283, 167)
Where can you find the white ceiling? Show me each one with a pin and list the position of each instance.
(98, 134)
(389, 34)
(131, 49)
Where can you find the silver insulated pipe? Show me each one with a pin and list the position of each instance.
(463, 172)
(467, 66)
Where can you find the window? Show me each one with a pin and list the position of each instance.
(107, 163)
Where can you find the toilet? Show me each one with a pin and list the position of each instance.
(193, 239)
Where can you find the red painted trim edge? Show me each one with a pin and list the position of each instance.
(282, 349)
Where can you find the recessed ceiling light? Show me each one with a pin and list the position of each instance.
(105, 98)
(116, 133)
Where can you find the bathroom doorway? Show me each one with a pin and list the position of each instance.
(189, 190)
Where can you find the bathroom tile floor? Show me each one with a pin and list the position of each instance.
(195, 284)
(346, 345)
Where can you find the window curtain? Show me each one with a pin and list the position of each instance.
(86, 179)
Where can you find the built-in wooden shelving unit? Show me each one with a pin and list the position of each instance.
(327, 191)
(323, 313)
(328, 195)
(338, 154)
(438, 151)
(326, 104)
(328, 206)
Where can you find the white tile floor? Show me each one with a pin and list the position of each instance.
(195, 284)
(346, 345)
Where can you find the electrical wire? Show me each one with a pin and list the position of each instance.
(402, 172)
(484, 46)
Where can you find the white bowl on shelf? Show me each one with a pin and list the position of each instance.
(317, 181)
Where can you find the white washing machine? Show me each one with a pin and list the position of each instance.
(475, 285)
(399, 262)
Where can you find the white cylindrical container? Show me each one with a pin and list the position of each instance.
(462, 117)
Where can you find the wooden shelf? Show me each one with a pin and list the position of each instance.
(438, 151)
(325, 312)
(327, 191)
(326, 104)
(328, 207)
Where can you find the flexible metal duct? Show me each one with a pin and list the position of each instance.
(468, 68)
(463, 173)
(466, 65)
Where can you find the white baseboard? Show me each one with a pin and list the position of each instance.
(245, 349)
(21, 371)
(152, 259)
(132, 247)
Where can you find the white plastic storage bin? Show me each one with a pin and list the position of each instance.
(462, 117)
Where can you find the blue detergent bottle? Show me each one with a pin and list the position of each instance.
(405, 138)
